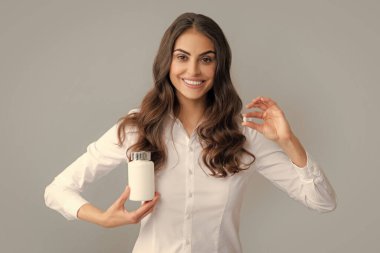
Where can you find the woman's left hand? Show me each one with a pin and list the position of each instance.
(275, 126)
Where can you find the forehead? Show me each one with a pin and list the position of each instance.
(194, 42)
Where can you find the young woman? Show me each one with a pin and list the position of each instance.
(203, 150)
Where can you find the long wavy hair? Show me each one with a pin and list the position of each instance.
(220, 133)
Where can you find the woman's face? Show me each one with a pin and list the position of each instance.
(193, 66)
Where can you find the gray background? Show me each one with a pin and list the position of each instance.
(70, 69)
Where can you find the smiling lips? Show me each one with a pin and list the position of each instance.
(193, 84)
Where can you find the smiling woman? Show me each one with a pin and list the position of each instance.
(204, 155)
(193, 85)
(193, 66)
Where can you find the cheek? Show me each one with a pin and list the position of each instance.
(174, 73)
(175, 69)
(171, 73)
(210, 72)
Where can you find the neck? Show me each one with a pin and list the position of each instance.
(190, 114)
(193, 113)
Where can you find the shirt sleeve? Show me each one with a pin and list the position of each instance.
(103, 155)
(308, 185)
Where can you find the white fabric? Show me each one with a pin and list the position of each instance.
(196, 212)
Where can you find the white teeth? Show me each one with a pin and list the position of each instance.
(193, 82)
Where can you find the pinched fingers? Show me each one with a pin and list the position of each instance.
(261, 102)
(253, 125)
(252, 102)
(255, 114)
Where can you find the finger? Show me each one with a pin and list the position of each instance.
(262, 100)
(268, 101)
(258, 127)
(124, 196)
(255, 114)
(259, 104)
(156, 195)
(256, 99)
(138, 217)
(148, 212)
(144, 212)
(145, 207)
(249, 105)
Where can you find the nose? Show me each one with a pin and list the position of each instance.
(193, 68)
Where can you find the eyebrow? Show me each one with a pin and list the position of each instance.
(183, 51)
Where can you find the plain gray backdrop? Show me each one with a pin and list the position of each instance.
(70, 69)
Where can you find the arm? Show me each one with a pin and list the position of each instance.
(92, 214)
(306, 184)
(116, 214)
(102, 156)
(282, 159)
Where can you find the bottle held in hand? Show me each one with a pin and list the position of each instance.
(141, 177)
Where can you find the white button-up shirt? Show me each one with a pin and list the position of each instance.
(196, 212)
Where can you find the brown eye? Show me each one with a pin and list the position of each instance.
(181, 57)
(206, 59)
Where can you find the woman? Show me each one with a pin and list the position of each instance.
(204, 153)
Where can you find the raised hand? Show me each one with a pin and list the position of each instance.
(275, 126)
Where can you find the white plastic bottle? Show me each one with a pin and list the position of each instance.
(141, 177)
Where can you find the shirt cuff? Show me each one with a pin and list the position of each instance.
(72, 206)
(310, 171)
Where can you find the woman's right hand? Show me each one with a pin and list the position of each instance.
(116, 215)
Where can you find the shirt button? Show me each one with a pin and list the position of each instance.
(190, 172)
(187, 241)
(190, 149)
(190, 195)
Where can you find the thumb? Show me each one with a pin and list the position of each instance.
(124, 196)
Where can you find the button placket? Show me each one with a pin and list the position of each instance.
(189, 197)
(190, 178)
(191, 151)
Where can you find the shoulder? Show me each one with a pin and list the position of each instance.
(135, 110)
(128, 128)
(120, 128)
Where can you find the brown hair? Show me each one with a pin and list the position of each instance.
(219, 133)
